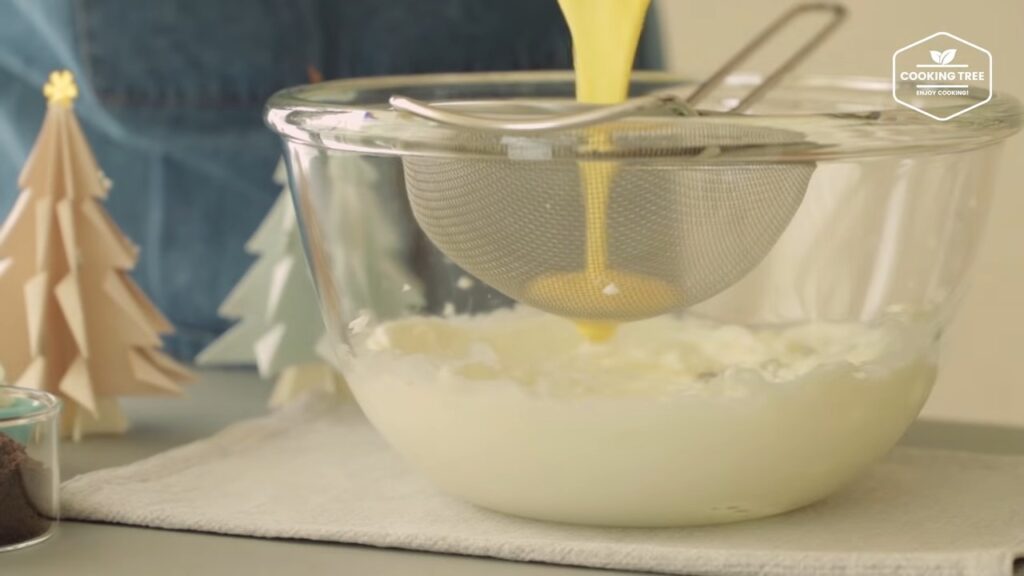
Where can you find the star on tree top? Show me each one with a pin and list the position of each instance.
(61, 88)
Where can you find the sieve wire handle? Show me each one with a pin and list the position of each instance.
(837, 13)
(576, 120)
(655, 100)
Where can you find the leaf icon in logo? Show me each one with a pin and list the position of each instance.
(943, 57)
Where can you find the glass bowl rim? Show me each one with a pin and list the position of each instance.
(318, 114)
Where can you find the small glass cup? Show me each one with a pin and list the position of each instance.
(29, 467)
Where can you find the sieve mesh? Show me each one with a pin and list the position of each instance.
(677, 230)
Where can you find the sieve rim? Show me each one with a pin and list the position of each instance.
(331, 115)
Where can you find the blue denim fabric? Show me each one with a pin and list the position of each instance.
(172, 94)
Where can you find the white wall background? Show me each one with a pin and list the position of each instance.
(982, 375)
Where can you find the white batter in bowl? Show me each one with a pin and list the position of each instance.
(672, 422)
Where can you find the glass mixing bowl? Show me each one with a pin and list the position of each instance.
(770, 393)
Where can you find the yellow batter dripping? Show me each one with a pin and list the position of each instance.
(605, 34)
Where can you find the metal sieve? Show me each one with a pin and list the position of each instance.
(662, 234)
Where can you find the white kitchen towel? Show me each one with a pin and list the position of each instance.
(318, 471)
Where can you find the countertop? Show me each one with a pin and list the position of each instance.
(222, 397)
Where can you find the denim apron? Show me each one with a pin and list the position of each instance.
(172, 93)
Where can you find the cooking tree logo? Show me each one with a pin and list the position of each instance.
(942, 76)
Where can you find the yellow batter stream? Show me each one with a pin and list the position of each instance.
(605, 34)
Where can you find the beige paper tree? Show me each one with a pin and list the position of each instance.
(74, 322)
(279, 326)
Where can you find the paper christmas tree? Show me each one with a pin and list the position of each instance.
(279, 325)
(74, 322)
(366, 230)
